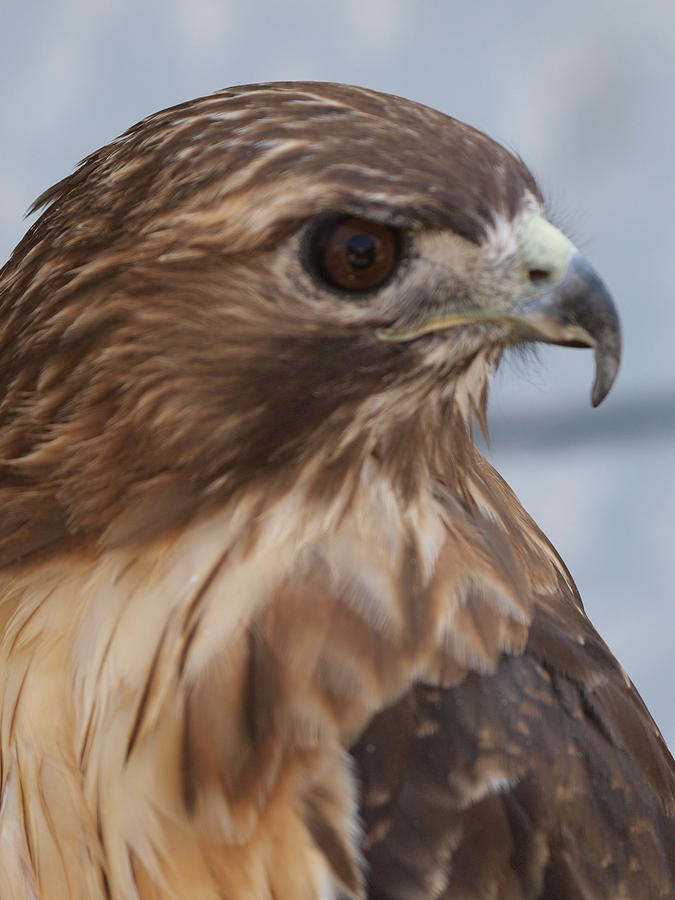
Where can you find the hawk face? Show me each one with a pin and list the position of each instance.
(271, 285)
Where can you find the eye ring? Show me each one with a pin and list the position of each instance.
(351, 255)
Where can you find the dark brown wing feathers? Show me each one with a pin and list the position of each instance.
(546, 779)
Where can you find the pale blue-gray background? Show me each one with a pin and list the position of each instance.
(584, 90)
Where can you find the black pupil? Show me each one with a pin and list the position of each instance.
(361, 250)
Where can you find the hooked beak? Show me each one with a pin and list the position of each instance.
(577, 312)
(566, 303)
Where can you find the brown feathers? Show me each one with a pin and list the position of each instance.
(512, 786)
(270, 626)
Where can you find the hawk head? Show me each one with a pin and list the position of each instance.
(263, 287)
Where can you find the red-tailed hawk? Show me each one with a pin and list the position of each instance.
(271, 625)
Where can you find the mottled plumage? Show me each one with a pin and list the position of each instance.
(271, 627)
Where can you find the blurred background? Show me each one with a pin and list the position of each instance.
(583, 91)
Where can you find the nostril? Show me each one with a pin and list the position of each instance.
(538, 276)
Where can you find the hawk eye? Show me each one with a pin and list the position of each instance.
(353, 255)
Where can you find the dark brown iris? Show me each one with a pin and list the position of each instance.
(354, 255)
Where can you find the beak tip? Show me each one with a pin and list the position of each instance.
(606, 369)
